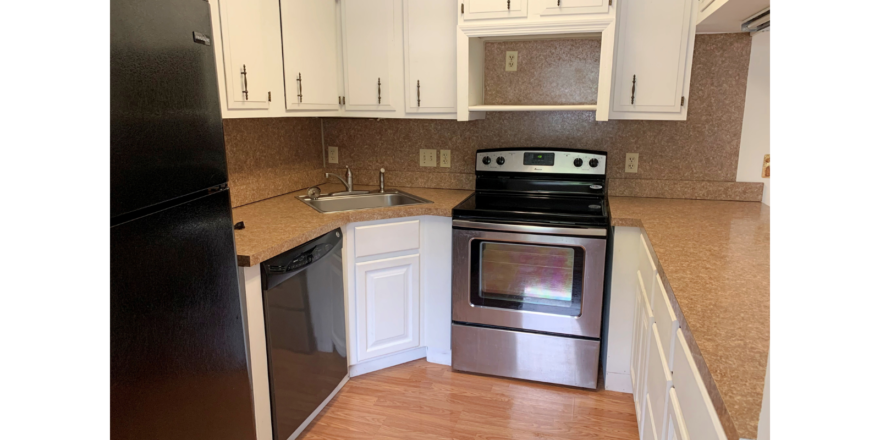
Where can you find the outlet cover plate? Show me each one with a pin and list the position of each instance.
(428, 158)
(632, 162)
(510, 61)
(445, 158)
(332, 154)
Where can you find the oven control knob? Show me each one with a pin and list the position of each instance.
(487, 160)
(594, 163)
(499, 161)
(578, 162)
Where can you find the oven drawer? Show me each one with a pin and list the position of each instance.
(530, 356)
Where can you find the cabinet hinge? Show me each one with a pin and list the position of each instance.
(270, 96)
(462, 8)
(682, 101)
(609, 2)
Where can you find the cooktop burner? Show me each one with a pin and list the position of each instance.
(538, 186)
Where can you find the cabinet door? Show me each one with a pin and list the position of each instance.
(659, 381)
(244, 53)
(387, 306)
(483, 9)
(646, 323)
(368, 48)
(696, 407)
(654, 44)
(308, 31)
(429, 46)
(571, 7)
(674, 427)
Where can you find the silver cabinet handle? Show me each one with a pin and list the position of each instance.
(244, 73)
(632, 98)
(418, 94)
(299, 83)
(380, 90)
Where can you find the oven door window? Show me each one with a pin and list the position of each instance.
(539, 278)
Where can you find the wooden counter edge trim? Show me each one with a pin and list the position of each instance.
(714, 394)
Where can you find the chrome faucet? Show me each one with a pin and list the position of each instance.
(346, 182)
(381, 180)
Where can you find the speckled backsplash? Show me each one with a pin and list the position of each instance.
(548, 72)
(267, 157)
(696, 158)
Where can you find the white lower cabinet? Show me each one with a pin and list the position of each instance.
(387, 295)
(697, 411)
(674, 425)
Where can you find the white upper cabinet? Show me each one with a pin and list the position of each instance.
(483, 9)
(572, 7)
(371, 49)
(308, 30)
(653, 59)
(245, 63)
(429, 28)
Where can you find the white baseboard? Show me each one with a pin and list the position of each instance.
(390, 360)
(618, 382)
(443, 357)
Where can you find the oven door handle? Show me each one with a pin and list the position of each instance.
(586, 232)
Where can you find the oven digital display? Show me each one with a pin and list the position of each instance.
(538, 159)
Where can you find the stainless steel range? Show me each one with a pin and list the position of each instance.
(528, 272)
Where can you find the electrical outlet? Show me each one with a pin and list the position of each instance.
(332, 154)
(632, 162)
(510, 61)
(428, 158)
(445, 158)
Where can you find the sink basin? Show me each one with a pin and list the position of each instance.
(330, 204)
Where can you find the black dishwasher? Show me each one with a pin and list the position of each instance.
(305, 330)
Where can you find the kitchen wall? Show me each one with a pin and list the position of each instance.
(267, 157)
(755, 140)
(696, 158)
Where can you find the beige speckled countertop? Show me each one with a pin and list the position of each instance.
(715, 264)
(281, 223)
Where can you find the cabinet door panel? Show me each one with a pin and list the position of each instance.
(368, 45)
(659, 381)
(387, 306)
(483, 9)
(430, 44)
(667, 322)
(646, 323)
(244, 54)
(570, 7)
(308, 29)
(653, 41)
(696, 406)
(675, 427)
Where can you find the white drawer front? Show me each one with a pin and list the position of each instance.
(666, 321)
(648, 270)
(659, 380)
(387, 238)
(696, 408)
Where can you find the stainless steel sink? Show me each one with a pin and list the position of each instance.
(329, 203)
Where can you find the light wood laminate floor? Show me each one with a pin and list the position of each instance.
(420, 400)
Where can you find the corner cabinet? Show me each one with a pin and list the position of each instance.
(370, 46)
(310, 63)
(653, 57)
(387, 306)
(494, 9)
(429, 55)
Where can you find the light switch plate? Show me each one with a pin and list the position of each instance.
(632, 162)
(445, 158)
(332, 154)
(428, 158)
(510, 61)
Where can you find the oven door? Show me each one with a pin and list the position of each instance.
(516, 277)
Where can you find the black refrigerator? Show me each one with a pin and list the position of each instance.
(178, 364)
